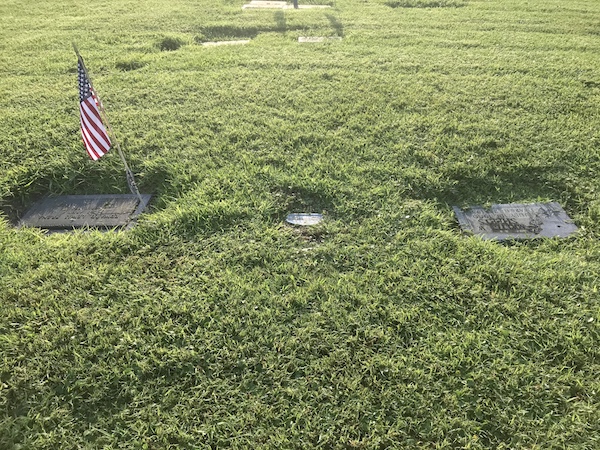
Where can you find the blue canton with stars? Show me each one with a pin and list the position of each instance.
(85, 90)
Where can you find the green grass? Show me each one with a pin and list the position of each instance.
(212, 324)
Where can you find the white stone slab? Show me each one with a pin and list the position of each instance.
(261, 4)
(265, 5)
(218, 43)
(304, 219)
(314, 39)
(310, 6)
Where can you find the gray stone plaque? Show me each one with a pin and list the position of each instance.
(516, 221)
(79, 211)
(304, 219)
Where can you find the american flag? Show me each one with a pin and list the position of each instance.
(95, 138)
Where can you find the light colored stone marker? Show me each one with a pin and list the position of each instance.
(313, 39)
(261, 4)
(304, 219)
(215, 44)
(309, 6)
(264, 4)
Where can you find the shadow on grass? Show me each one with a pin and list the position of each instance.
(502, 185)
(303, 199)
(496, 185)
(224, 32)
(280, 20)
(129, 65)
(169, 44)
(336, 25)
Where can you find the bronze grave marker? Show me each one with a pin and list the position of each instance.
(68, 212)
(516, 221)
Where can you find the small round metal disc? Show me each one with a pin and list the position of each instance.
(304, 219)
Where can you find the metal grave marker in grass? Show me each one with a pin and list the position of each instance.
(304, 219)
(516, 221)
(68, 212)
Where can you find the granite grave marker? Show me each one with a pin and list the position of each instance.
(516, 221)
(68, 212)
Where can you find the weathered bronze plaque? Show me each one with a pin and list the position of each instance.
(80, 211)
(516, 221)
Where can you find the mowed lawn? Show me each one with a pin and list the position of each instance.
(213, 324)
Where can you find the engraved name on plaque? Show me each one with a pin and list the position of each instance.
(516, 221)
(80, 211)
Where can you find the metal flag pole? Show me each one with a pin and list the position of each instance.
(129, 174)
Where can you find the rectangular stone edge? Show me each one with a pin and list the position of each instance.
(465, 224)
(139, 209)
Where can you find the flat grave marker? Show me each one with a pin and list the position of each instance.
(315, 39)
(219, 43)
(516, 221)
(304, 219)
(262, 4)
(67, 212)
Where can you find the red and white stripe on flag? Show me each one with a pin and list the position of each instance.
(95, 137)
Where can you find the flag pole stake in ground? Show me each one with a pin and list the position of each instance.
(93, 115)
